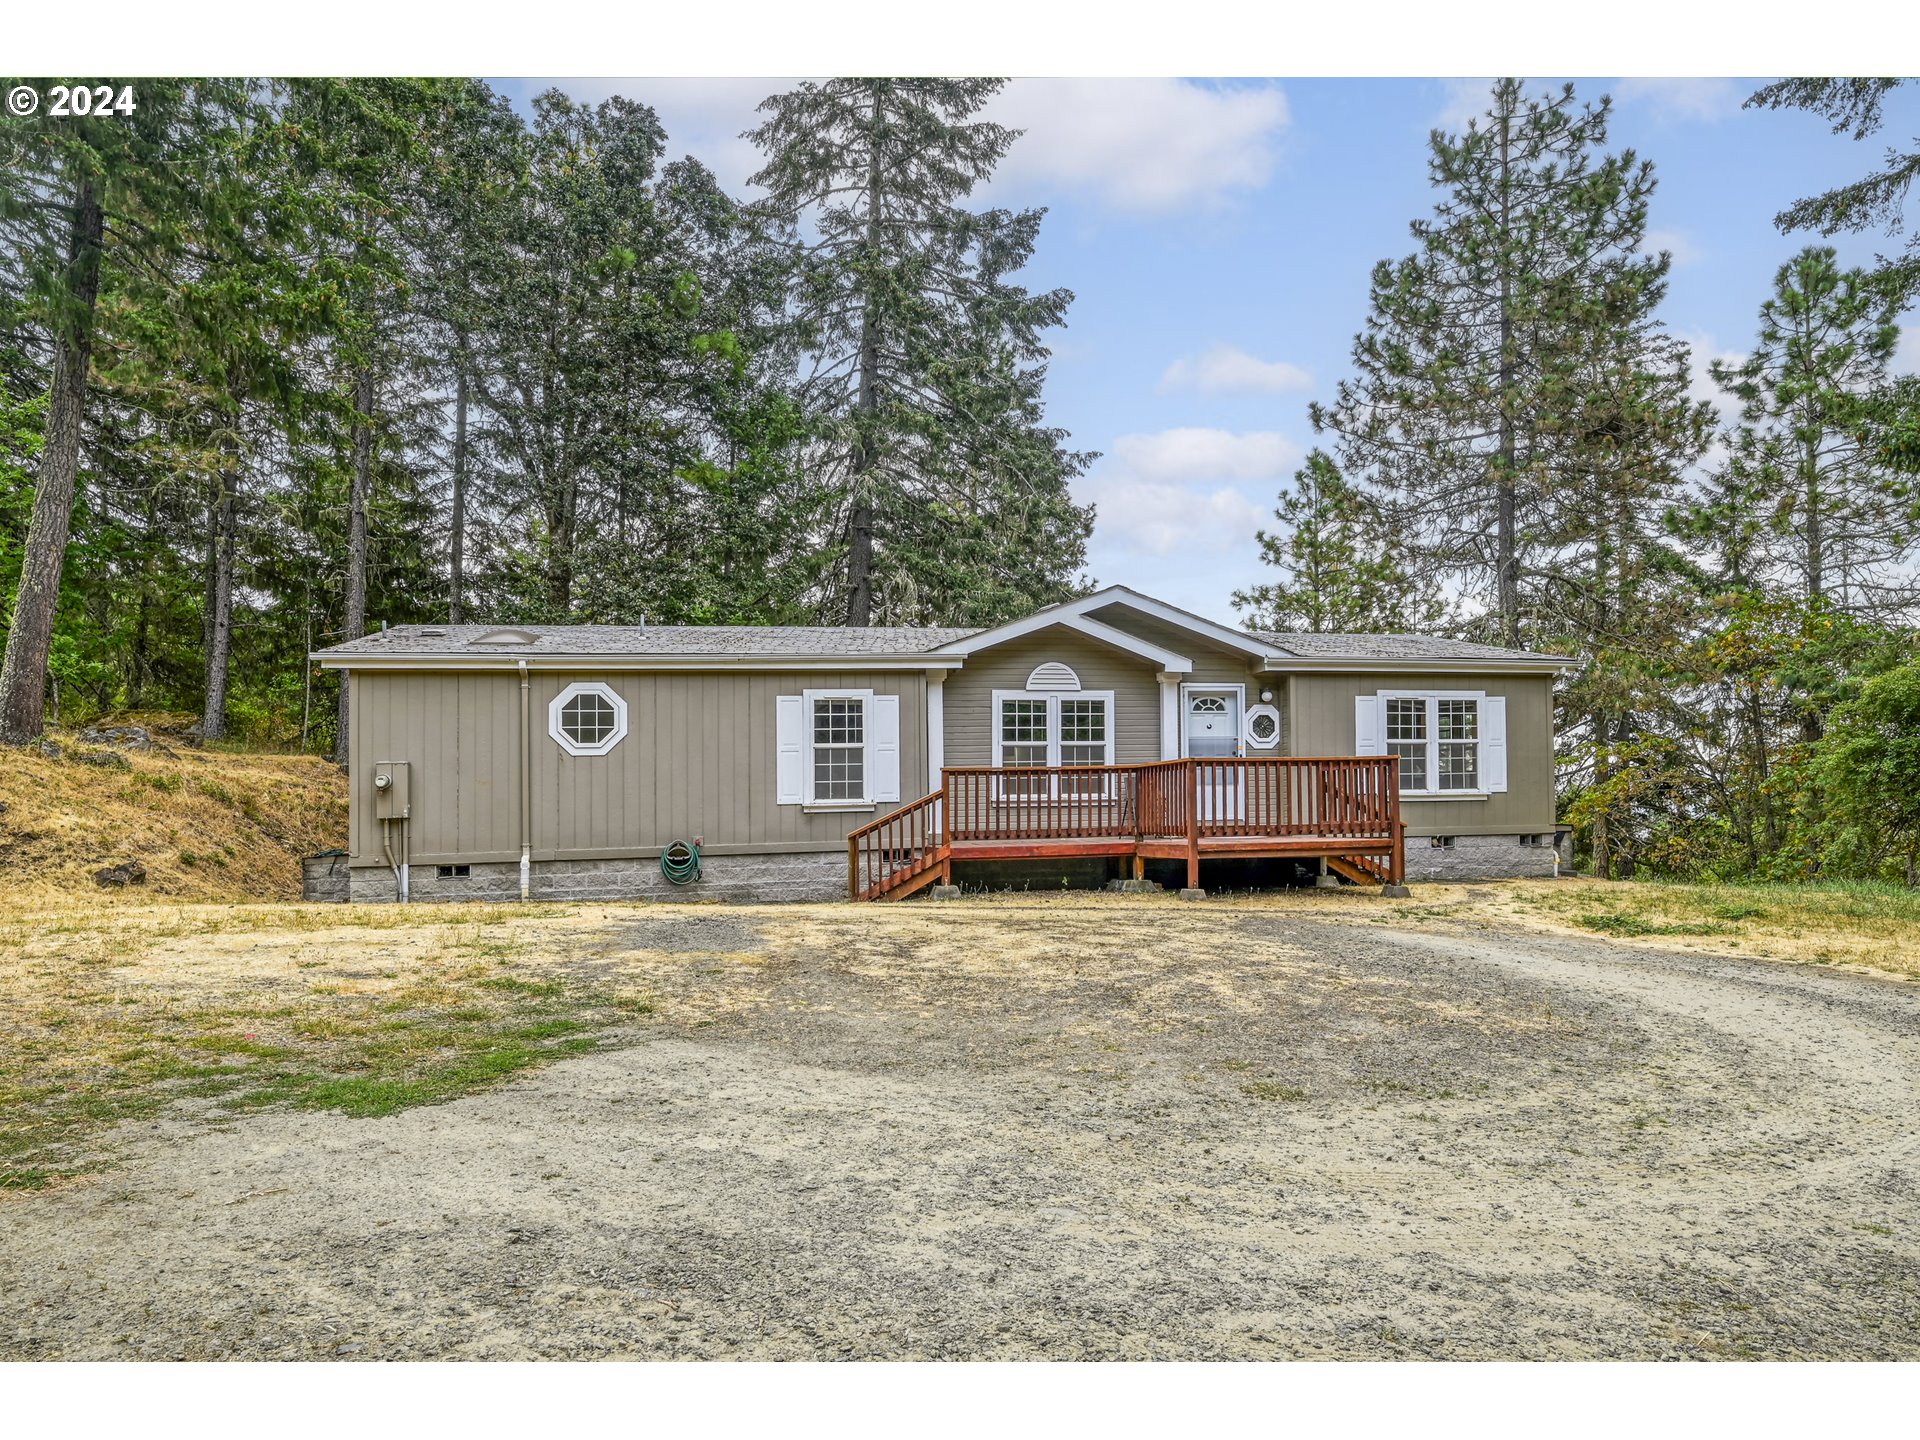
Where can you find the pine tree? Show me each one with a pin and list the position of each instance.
(86, 193)
(927, 359)
(1340, 574)
(1841, 524)
(1463, 338)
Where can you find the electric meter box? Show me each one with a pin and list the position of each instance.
(390, 799)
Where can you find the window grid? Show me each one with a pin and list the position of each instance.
(1407, 739)
(1083, 732)
(587, 719)
(839, 748)
(1437, 742)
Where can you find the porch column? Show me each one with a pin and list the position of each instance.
(1169, 716)
(936, 727)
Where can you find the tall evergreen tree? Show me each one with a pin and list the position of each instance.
(1339, 572)
(926, 357)
(86, 192)
(1464, 336)
(1841, 524)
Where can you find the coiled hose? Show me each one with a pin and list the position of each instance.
(680, 863)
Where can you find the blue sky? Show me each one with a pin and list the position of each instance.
(1218, 237)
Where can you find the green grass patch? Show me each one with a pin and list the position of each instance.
(79, 1057)
(1272, 1090)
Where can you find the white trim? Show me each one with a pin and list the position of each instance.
(865, 799)
(1408, 664)
(1200, 687)
(587, 687)
(936, 727)
(1052, 699)
(1076, 613)
(1073, 616)
(1266, 708)
(1169, 716)
(1433, 742)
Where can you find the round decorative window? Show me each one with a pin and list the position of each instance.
(587, 718)
(1263, 727)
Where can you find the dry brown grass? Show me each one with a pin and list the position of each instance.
(117, 1013)
(207, 826)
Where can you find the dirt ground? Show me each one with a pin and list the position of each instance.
(1116, 1127)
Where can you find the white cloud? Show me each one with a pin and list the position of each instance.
(1227, 369)
(1192, 453)
(1906, 358)
(1461, 101)
(703, 118)
(1182, 492)
(1682, 99)
(1677, 243)
(1142, 147)
(1137, 146)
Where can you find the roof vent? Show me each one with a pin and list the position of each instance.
(1053, 676)
(505, 637)
(432, 630)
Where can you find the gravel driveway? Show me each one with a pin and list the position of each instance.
(1124, 1130)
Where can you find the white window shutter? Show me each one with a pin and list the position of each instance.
(883, 746)
(789, 768)
(1493, 744)
(1366, 725)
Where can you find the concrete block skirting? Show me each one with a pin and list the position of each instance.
(744, 879)
(1480, 857)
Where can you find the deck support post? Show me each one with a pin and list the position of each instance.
(853, 869)
(1193, 825)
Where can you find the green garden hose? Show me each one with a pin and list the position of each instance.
(680, 863)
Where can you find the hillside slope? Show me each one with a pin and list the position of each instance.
(206, 825)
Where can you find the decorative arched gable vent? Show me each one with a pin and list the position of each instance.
(1053, 676)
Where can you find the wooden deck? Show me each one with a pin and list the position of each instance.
(1343, 809)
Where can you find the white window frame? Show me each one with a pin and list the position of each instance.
(1433, 698)
(1053, 699)
(587, 687)
(808, 699)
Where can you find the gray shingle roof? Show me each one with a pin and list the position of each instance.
(826, 641)
(440, 640)
(1391, 647)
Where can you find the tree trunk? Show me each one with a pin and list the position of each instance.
(356, 607)
(457, 546)
(1506, 557)
(866, 408)
(23, 675)
(213, 718)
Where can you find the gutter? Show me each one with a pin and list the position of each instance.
(446, 660)
(1375, 665)
(526, 787)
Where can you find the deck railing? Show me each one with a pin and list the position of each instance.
(1342, 796)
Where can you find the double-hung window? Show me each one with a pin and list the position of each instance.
(1447, 743)
(837, 749)
(1035, 729)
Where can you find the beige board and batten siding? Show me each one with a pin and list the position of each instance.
(1321, 708)
(698, 759)
(968, 706)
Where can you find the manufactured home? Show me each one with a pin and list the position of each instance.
(1109, 737)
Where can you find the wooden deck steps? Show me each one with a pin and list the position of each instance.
(1344, 810)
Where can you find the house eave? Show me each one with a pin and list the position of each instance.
(601, 661)
(1388, 665)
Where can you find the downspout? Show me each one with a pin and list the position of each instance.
(526, 787)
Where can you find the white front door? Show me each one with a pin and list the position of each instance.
(1212, 723)
(1211, 731)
